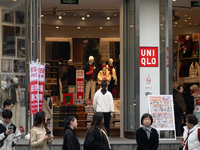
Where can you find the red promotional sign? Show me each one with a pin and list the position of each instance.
(79, 84)
(167, 57)
(37, 79)
(148, 56)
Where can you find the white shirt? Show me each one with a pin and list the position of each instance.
(103, 103)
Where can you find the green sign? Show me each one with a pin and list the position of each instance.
(195, 3)
(69, 1)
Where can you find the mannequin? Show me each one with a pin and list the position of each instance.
(112, 70)
(71, 73)
(187, 47)
(90, 77)
(104, 75)
(16, 97)
(3, 93)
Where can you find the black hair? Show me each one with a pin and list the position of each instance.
(7, 102)
(145, 116)
(7, 114)
(97, 122)
(103, 85)
(192, 119)
(179, 87)
(39, 119)
(187, 91)
(67, 121)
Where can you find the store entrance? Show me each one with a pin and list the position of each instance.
(71, 40)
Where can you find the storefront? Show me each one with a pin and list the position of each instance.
(133, 25)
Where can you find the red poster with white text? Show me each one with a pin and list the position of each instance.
(41, 77)
(148, 56)
(79, 84)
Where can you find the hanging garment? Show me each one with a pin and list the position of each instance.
(194, 69)
(184, 70)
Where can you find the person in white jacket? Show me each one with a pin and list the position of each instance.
(191, 135)
(103, 102)
(9, 133)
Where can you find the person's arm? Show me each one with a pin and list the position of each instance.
(139, 141)
(34, 141)
(92, 143)
(17, 136)
(156, 141)
(69, 141)
(95, 101)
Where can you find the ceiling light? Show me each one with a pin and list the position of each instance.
(131, 26)
(161, 24)
(83, 18)
(185, 15)
(14, 0)
(185, 20)
(196, 24)
(175, 22)
(173, 0)
(108, 18)
(174, 25)
(60, 17)
(115, 15)
(64, 14)
(74, 15)
(189, 18)
(190, 23)
(42, 16)
(78, 27)
(162, 28)
(180, 26)
(88, 15)
(57, 27)
(175, 41)
(100, 28)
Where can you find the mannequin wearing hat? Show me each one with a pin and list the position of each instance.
(3, 93)
(71, 73)
(90, 77)
(104, 75)
(112, 70)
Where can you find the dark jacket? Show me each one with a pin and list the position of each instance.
(87, 68)
(70, 141)
(71, 75)
(94, 141)
(179, 103)
(189, 102)
(144, 143)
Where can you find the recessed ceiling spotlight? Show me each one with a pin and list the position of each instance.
(196, 24)
(78, 27)
(108, 18)
(42, 16)
(162, 28)
(83, 18)
(190, 23)
(100, 28)
(173, 0)
(175, 41)
(74, 15)
(60, 17)
(64, 14)
(115, 15)
(185, 15)
(174, 25)
(189, 18)
(14, 0)
(57, 27)
(175, 22)
(161, 24)
(180, 26)
(131, 26)
(88, 16)
(185, 20)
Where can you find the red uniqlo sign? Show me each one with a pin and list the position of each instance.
(79, 84)
(148, 56)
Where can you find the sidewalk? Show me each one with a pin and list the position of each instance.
(116, 144)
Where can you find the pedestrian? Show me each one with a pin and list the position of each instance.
(70, 141)
(103, 102)
(96, 138)
(189, 101)
(179, 109)
(9, 133)
(191, 134)
(40, 135)
(147, 136)
(8, 104)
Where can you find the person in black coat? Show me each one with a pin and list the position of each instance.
(96, 138)
(70, 141)
(189, 101)
(146, 136)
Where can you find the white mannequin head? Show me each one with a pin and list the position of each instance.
(70, 62)
(110, 61)
(91, 59)
(15, 80)
(3, 85)
(187, 37)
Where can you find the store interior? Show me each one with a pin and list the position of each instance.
(75, 27)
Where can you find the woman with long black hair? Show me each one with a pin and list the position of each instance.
(96, 138)
(40, 136)
(103, 102)
(70, 141)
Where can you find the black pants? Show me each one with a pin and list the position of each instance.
(178, 119)
(111, 85)
(107, 117)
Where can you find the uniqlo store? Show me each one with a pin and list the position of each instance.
(129, 44)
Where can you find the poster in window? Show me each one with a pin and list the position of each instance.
(20, 47)
(19, 66)
(8, 41)
(20, 17)
(6, 65)
(7, 15)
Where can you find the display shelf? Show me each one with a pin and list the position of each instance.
(51, 83)
(189, 58)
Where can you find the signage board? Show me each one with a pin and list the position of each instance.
(148, 56)
(79, 84)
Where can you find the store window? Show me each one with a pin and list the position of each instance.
(13, 58)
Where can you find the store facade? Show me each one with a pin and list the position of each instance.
(142, 24)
